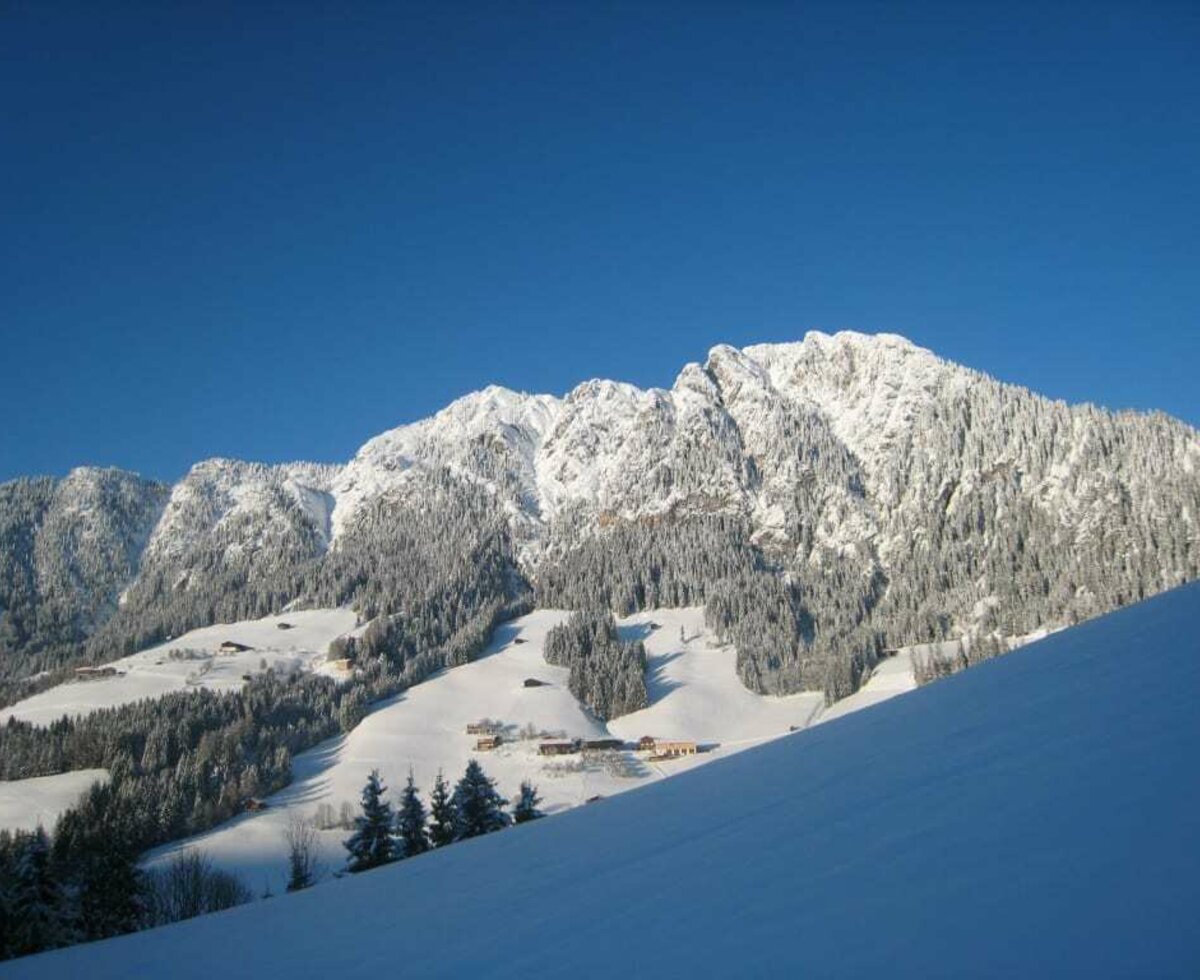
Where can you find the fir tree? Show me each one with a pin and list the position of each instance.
(478, 807)
(526, 808)
(8, 920)
(410, 821)
(39, 908)
(372, 843)
(109, 890)
(441, 812)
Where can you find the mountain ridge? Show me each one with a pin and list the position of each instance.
(862, 463)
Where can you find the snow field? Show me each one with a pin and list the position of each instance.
(153, 673)
(26, 803)
(694, 690)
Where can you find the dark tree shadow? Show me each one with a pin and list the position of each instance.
(633, 632)
(658, 684)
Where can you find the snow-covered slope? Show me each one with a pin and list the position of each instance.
(694, 689)
(301, 644)
(1034, 816)
(695, 694)
(27, 803)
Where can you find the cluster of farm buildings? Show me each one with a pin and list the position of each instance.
(489, 737)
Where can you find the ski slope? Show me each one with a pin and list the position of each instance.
(1018, 819)
(152, 673)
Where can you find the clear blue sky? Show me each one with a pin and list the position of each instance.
(274, 231)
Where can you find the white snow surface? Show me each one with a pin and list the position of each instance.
(152, 673)
(26, 803)
(694, 690)
(1034, 816)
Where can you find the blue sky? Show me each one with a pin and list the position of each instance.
(274, 231)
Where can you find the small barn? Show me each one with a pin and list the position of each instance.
(559, 746)
(604, 744)
(230, 647)
(92, 672)
(487, 743)
(481, 728)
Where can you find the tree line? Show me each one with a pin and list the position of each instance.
(606, 675)
(381, 836)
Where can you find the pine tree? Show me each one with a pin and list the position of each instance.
(39, 907)
(526, 808)
(410, 821)
(441, 812)
(372, 843)
(478, 807)
(110, 890)
(8, 921)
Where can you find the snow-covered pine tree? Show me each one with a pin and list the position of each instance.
(372, 843)
(410, 821)
(526, 808)
(441, 813)
(478, 807)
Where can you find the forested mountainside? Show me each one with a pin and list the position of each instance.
(824, 499)
(67, 550)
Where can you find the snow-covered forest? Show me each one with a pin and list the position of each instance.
(828, 498)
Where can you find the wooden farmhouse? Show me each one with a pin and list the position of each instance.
(559, 746)
(90, 672)
(487, 743)
(673, 748)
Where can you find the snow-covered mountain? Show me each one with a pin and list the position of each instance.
(67, 550)
(894, 491)
(1031, 817)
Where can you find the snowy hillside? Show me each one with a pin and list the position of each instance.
(195, 659)
(695, 694)
(1035, 816)
(27, 803)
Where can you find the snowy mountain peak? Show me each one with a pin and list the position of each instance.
(838, 447)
